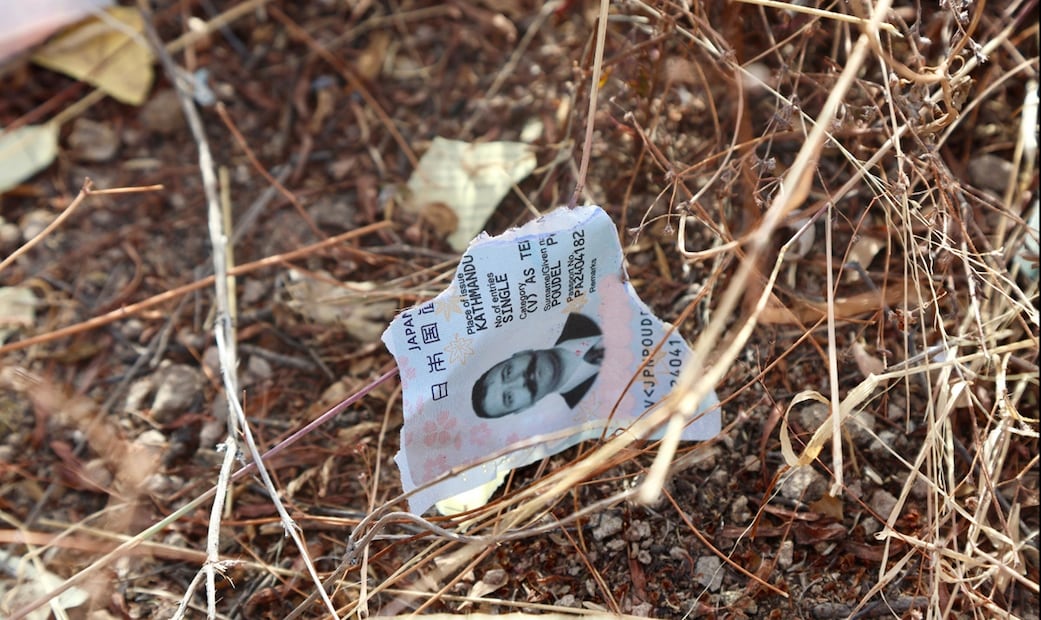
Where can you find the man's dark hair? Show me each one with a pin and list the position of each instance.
(479, 392)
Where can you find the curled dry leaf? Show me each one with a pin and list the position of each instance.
(105, 51)
(24, 24)
(863, 252)
(25, 151)
(17, 310)
(93, 141)
(34, 581)
(353, 306)
(867, 363)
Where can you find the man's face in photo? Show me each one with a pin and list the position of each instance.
(519, 382)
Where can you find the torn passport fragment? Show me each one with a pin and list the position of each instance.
(535, 346)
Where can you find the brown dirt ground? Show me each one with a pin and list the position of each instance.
(74, 452)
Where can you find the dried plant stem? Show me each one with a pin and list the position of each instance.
(821, 13)
(833, 358)
(224, 333)
(132, 309)
(694, 382)
(594, 90)
(86, 190)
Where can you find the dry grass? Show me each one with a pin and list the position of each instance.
(795, 185)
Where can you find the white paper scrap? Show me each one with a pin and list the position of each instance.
(525, 354)
(471, 178)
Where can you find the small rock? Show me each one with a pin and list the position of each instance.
(609, 525)
(219, 410)
(786, 554)
(739, 512)
(211, 360)
(705, 458)
(92, 141)
(643, 557)
(138, 393)
(708, 573)
(803, 484)
(920, 488)
(9, 233)
(641, 610)
(257, 369)
(98, 474)
(212, 433)
(151, 440)
(162, 113)
(193, 340)
(132, 328)
(615, 544)
(870, 525)
(719, 478)
(739, 603)
(33, 223)
(162, 484)
(253, 291)
(888, 440)
(895, 412)
(179, 386)
(990, 172)
(882, 502)
(860, 425)
(638, 530)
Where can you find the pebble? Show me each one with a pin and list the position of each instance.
(705, 458)
(803, 484)
(739, 512)
(615, 544)
(870, 525)
(9, 233)
(253, 291)
(212, 433)
(98, 473)
(638, 530)
(173, 389)
(93, 141)
(860, 425)
(609, 525)
(211, 360)
(990, 172)
(707, 572)
(642, 610)
(786, 555)
(888, 440)
(920, 488)
(257, 369)
(33, 223)
(179, 386)
(162, 113)
(132, 328)
(882, 502)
